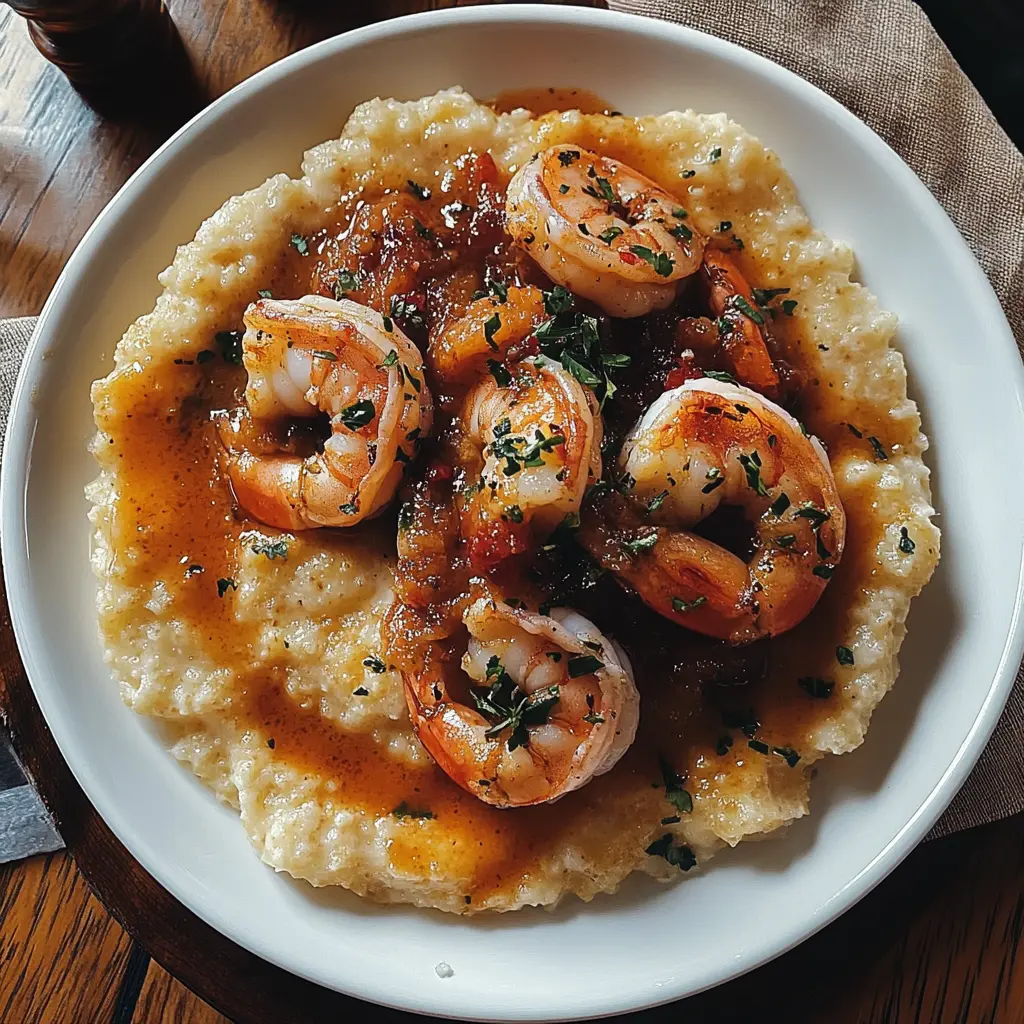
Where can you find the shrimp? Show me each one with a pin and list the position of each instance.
(602, 229)
(317, 355)
(536, 438)
(701, 446)
(742, 327)
(488, 330)
(551, 703)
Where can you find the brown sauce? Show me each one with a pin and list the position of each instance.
(697, 693)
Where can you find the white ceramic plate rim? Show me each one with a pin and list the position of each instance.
(14, 474)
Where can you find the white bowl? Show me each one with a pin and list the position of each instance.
(648, 944)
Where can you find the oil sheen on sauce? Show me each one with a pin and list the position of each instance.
(179, 506)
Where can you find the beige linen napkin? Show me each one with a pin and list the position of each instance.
(884, 61)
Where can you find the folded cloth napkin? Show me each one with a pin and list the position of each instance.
(883, 60)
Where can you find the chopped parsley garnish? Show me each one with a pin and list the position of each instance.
(603, 191)
(571, 338)
(584, 230)
(405, 516)
(389, 360)
(853, 430)
(563, 189)
(265, 293)
(780, 504)
(610, 234)
(320, 353)
(583, 665)
(716, 478)
(824, 571)
(675, 792)
(742, 720)
(421, 192)
(509, 708)
(350, 508)
(678, 855)
(907, 546)
(844, 655)
(787, 540)
(301, 244)
(687, 173)
(491, 328)
(422, 230)
(638, 545)
(681, 231)
(567, 156)
(205, 356)
(360, 691)
(345, 282)
(881, 455)
(358, 414)
(724, 745)
(815, 516)
(764, 296)
(374, 664)
(720, 375)
(403, 810)
(230, 343)
(557, 301)
(389, 324)
(715, 155)
(788, 306)
(679, 605)
(271, 548)
(514, 514)
(407, 312)
(725, 225)
(500, 373)
(752, 467)
(660, 261)
(498, 289)
(224, 585)
(657, 501)
(790, 756)
(593, 718)
(818, 688)
(759, 746)
(739, 302)
(672, 819)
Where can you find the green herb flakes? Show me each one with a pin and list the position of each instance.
(230, 344)
(300, 244)
(491, 327)
(907, 546)
(678, 855)
(583, 665)
(499, 372)
(358, 414)
(679, 605)
(421, 192)
(224, 585)
(820, 689)
(403, 810)
(271, 548)
(660, 261)
(374, 664)
(844, 655)
(881, 455)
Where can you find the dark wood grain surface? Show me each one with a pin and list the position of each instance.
(939, 941)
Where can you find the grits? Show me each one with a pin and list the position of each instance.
(260, 650)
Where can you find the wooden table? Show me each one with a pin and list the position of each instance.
(939, 941)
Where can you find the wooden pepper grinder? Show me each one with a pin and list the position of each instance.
(121, 55)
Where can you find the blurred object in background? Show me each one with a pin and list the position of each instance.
(987, 39)
(123, 56)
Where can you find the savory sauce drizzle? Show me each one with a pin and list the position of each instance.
(436, 248)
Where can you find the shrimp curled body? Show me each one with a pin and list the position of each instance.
(602, 230)
(538, 443)
(317, 355)
(555, 705)
(707, 444)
